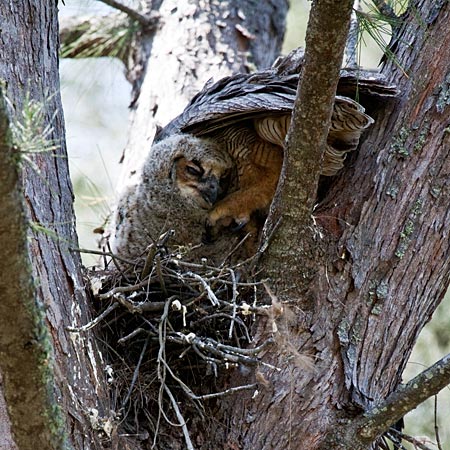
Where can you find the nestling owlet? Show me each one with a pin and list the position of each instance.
(181, 180)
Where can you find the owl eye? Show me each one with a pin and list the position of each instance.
(194, 170)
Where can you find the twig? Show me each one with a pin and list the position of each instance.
(101, 253)
(122, 290)
(396, 440)
(233, 302)
(160, 275)
(135, 373)
(183, 385)
(224, 353)
(405, 398)
(436, 428)
(180, 419)
(218, 316)
(212, 297)
(211, 344)
(239, 283)
(374, 422)
(235, 248)
(246, 308)
(149, 261)
(148, 22)
(132, 335)
(94, 322)
(161, 370)
(410, 439)
(139, 308)
(226, 392)
(214, 361)
(191, 265)
(114, 259)
(243, 351)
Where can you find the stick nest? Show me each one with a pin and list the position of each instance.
(171, 330)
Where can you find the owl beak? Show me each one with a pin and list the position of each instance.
(209, 189)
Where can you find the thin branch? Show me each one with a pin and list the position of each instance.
(405, 398)
(228, 391)
(99, 252)
(141, 307)
(180, 419)
(312, 111)
(410, 439)
(135, 373)
(95, 321)
(148, 22)
(212, 297)
(123, 289)
(436, 427)
(233, 302)
(362, 431)
(326, 36)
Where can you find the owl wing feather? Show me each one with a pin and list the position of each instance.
(270, 92)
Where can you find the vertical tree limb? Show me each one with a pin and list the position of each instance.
(326, 37)
(52, 379)
(26, 356)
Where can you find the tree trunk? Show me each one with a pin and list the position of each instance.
(342, 337)
(51, 379)
(380, 269)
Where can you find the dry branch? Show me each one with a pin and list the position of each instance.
(147, 21)
(405, 398)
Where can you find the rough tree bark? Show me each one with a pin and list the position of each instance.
(381, 264)
(366, 295)
(47, 373)
(50, 379)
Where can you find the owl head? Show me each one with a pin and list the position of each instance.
(197, 167)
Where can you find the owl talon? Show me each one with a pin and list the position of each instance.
(239, 224)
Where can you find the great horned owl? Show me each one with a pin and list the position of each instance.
(241, 121)
(182, 178)
(248, 115)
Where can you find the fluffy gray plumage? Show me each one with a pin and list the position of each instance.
(159, 202)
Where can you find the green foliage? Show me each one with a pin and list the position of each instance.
(377, 22)
(108, 38)
(31, 132)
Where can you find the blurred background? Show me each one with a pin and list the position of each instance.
(95, 98)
